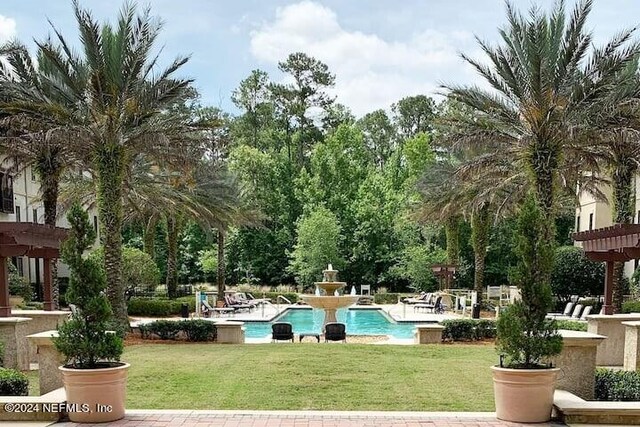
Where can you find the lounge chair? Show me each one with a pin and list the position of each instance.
(232, 303)
(586, 312)
(335, 332)
(423, 298)
(577, 311)
(257, 301)
(282, 331)
(565, 313)
(208, 311)
(437, 307)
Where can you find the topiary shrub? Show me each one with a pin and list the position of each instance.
(84, 340)
(468, 329)
(164, 329)
(199, 330)
(617, 385)
(13, 383)
(192, 330)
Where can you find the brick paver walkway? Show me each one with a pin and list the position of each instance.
(308, 419)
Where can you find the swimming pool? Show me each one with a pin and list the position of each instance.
(359, 322)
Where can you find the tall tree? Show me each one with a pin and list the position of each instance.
(379, 134)
(543, 88)
(414, 115)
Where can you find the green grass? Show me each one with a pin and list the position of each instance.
(324, 377)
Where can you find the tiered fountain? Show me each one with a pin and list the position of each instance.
(331, 301)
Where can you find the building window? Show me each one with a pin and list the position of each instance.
(590, 221)
(18, 216)
(6, 195)
(578, 224)
(35, 216)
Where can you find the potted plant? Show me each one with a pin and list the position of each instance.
(93, 377)
(524, 382)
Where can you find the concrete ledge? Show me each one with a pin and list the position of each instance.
(230, 332)
(578, 362)
(429, 333)
(572, 409)
(49, 407)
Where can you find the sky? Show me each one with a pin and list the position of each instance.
(379, 50)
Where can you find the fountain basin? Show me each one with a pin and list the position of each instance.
(330, 302)
(330, 287)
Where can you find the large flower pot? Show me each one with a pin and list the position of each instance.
(524, 395)
(95, 395)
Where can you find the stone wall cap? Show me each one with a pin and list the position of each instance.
(429, 326)
(635, 323)
(580, 339)
(8, 320)
(35, 313)
(43, 338)
(230, 324)
(614, 317)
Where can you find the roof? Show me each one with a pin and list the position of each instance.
(30, 239)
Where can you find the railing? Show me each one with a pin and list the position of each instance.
(281, 297)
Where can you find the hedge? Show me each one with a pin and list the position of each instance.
(191, 330)
(386, 298)
(157, 307)
(617, 385)
(468, 329)
(631, 307)
(572, 325)
(273, 296)
(13, 383)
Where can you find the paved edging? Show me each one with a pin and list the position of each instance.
(315, 414)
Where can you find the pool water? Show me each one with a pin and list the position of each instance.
(358, 322)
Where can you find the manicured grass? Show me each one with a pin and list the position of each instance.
(305, 376)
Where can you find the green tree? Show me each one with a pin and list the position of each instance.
(254, 98)
(317, 244)
(543, 89)
(139, 269)
(208, 261)
(379, 135)
(574, 274)
(414, 115)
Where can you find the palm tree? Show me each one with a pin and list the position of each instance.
(116, 112)
(545, 86)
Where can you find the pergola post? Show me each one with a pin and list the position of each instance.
(5, 305)
(608, 288)
(47, 293)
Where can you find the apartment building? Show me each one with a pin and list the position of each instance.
(594, 214)
(20, 203)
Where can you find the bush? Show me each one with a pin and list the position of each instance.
(18, 285)
(273, 296)
(193, 330)
(572, 325)
(468, 329)
(631, 307)
(387, 298)
(157, 307)
(13, 383)
(617, 385)
(139, 270)
(574, 274)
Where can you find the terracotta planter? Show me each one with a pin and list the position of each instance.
(524, 395)
(98, 394)
(16, 301)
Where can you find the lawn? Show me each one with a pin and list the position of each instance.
(324, 377)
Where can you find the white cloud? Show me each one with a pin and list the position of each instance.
(371, 72)
(7, 28)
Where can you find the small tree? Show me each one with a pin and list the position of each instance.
(139, 269)
(574, 274)
(525, 336)
(317, 245)
(84, 340)
(208, 262)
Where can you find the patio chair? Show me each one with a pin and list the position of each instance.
(335, 332)
(586, 312)
(565, 313)
(437, 307)
(236, 305)
(577, 311)
(282, 331)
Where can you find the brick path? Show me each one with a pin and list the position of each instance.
(149, 418)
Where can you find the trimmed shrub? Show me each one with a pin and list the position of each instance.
(273, 296)
(13, 383)
(574, 274)
(156, 307)
(18, 285)
(572, 325)
(617, 385)
(199, 330)
(631, 307)
(386, 298)
(468, 329)
(164, 329)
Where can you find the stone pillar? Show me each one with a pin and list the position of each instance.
(429, 334)
(47, 293)
(632, 346)
(13, 335)
(578, 363)
(230, 332)
(48, 361)
(607, 307)
(5, 304)
(611, 349)
(41, 321)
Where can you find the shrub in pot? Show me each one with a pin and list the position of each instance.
(524, 383)
(92, 373)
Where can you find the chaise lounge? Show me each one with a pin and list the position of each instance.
(282, 331)
(335, 332)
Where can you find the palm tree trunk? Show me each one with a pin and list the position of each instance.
(49, 185)
(221, 267)
(623, 207)
(149, 242)
(110, 175)
(172, 255)
(480, 226)
(452, 233)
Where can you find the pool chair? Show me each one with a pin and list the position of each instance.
(423, 298)
(236, 305)
(282, 331)
(335, 332)
(585, 313)
(565, 313)
(437, 307)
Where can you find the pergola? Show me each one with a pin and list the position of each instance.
(34, 241)
(444, 273)
(617, 243)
